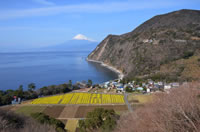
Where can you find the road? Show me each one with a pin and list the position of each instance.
(127, 103)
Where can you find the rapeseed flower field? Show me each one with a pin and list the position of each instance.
(81, 98)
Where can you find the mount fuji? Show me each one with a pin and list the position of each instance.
(78, 43)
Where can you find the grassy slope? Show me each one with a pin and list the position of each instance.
(184, 69)
(27, 110)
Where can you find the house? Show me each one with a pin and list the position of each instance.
(156, 86)
(140, 88)
(148, 90)
(81, 84)
(167, 86)
(143, 84)
(120, 89)
(149, 86)
(119, 85)
(106, 84)
(175, 84)
(16, 101)
(101, 85)
(160, 83)
(145, 41)
(114, 83)
(150, 82)
(154, 89)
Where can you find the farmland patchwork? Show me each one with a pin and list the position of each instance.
(81, 98)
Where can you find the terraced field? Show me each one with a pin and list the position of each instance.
(81, 98)
(48, 100)
(28, 110)
(71, 125)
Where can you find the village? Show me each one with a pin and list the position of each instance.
(148, 86)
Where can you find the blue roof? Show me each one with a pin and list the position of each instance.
(120, 87)
(140, 88)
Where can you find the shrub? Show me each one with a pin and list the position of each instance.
(11, 122)
(99, 119)
(128, 89)
(188, 54)
(45, 119)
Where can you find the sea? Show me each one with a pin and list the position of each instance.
(49, 68)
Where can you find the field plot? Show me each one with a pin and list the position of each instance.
(53, 111)
(83, 110)
(71, 125)
(132, 98)
(68, 112)
(66, 98)
(27, 110)
(48, 100)
(81, 98)
(8, 107)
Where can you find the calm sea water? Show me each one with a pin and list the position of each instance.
(49, 68)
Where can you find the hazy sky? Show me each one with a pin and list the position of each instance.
(36, 23)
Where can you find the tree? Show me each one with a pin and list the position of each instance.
(89, 83)
(128, 89)
(99, 118)
(45, 119)
(0, 100)
(70, 84)
(31, 87)
(19, 91)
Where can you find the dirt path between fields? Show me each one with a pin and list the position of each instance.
(127, 103)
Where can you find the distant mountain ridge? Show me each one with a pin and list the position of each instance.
(167, 45)
(73, 45)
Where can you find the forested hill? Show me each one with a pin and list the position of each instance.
(166, 46)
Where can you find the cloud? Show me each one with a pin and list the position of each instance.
(17, 28)
(44, 2)
(106, 7)
(82, 37)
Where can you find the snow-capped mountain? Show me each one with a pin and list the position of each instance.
(78, 43)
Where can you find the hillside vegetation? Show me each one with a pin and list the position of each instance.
(11, 122)
(154, 45)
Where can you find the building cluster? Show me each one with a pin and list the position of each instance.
(144, 87)
(16, 100)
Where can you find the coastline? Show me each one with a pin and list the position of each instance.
(120, 74)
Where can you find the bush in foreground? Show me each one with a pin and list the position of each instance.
(11, 122)
(178, 111)
(45, 119)
(99, 119)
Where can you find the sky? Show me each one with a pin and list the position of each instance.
(39, 23)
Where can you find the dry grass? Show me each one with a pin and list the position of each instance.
(71, 125)
(11, 122)
(140, 98)
(190, 68)
(68, 112)
(83, 110)
(27, 110)
(53, 111)
(178, 111)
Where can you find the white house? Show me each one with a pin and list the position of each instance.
(151, 82)
(148, 90)
(121, 89)
(160, 83)
(167, 86)
(175, 84)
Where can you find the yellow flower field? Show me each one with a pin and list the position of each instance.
(81, 98)
(48, 100)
